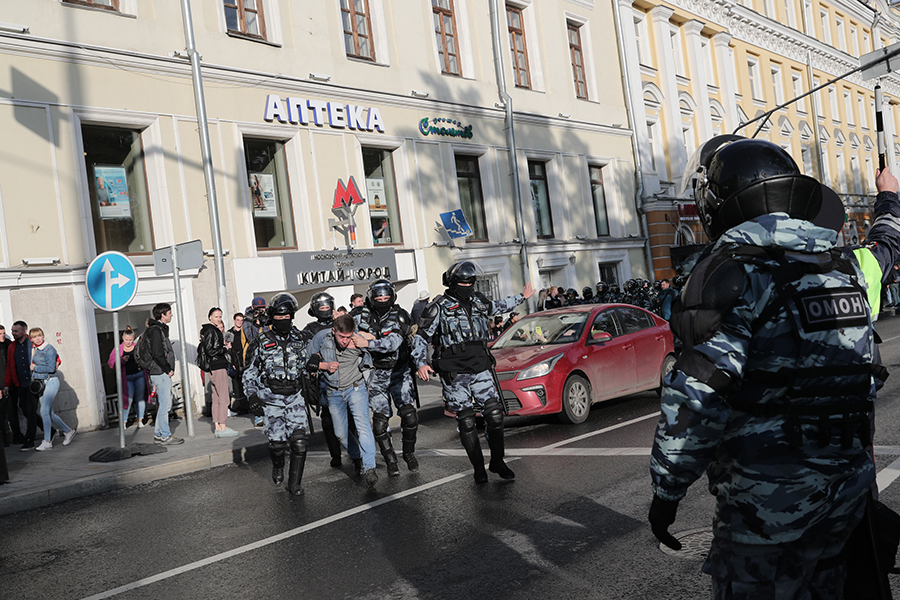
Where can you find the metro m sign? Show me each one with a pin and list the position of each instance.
(344, 197)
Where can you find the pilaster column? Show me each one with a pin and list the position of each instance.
(699, 79)
(727, 79)
(635, 84)
(665, 59)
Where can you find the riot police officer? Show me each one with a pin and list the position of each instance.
(587, 295)
(322, 308)
(387, 326)
(457, 324)
(273, 383)
(773, 393)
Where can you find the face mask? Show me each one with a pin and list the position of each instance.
(282, 326)
(462, 292)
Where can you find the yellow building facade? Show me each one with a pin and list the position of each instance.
(706, 68)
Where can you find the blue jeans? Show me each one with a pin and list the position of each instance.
(137, 390)
(49, 417)
(355, 398)
(163, 385)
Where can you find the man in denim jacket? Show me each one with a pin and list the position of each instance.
(341, 363)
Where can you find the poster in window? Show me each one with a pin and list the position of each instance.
(262, 193)
(111, 188)
(378, 214)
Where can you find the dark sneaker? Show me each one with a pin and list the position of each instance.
(27, 446)
(336, 462)
(169, 441)
(357, 466)
(371, 478)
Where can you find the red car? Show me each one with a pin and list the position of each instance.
(563, 360)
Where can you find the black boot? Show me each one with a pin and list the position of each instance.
(470, 442)
(357, 466)
(409, 425)
(295, 470)
(497, 464)
(390, 457)
(276, 453)
(331, 438)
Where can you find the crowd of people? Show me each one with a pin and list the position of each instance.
(656, 296)
(30, 385)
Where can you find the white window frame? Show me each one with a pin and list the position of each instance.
(867, 42)
(777, 82)
(861, 107)
(825, 22)
(848, 107)
(677, 49)
(642, 31)
(854, 39)
(842, 35)
(272, 16)
(790, 11)
(529, 25)
(809, 26)
(587, 54)
(769, 8)
(755, 81)
(857, 174)
(833, 103)
(706, 48)
(797, 89)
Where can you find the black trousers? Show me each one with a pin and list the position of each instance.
(22, 398)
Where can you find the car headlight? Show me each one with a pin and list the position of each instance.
(540, 369)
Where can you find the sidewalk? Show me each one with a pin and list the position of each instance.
(42, 478)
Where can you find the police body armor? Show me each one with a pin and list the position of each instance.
(395, 320)
(458, 333)
(284, 360)
(821, 384)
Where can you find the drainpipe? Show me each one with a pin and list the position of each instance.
(511, 142)
(629, 107)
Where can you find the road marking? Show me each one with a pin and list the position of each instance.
(604, 430)
(275, 538)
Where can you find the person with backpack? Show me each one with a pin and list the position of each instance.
(134, 384)
(155, 353)
(212, 357)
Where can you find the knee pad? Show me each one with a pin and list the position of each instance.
(280, 446)
(409, 419)
(299, 440)
(379, 424)
(466, 420)
(493, 416)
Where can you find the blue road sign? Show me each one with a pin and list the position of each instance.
(111, 281)
(455, 223)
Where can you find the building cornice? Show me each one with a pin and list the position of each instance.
(142, 63)
(746, 25)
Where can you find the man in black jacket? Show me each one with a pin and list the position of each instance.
(161, 371)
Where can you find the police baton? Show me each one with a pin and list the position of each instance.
(503, 401)
(879, 127)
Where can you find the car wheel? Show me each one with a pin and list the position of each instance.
(576, 400)
(667, 365)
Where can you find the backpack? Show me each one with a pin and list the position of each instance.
(202, 357)
(142, 352)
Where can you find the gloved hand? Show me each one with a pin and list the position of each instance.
(662, 514)
(256, 406)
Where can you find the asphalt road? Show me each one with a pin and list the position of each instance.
(572, 525)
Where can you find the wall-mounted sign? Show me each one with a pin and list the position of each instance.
(346, 196)
(303, 270)
(321, 112)
(442, 126)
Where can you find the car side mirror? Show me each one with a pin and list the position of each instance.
(598, 337)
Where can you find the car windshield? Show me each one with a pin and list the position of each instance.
(539, 330)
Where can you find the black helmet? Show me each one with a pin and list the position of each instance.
(282, 304)
(748, 178)
(381, 287)
(587, 292)
(614, 288)
(318, 301)
(571, 292)
(602, 287)
(461, 272)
